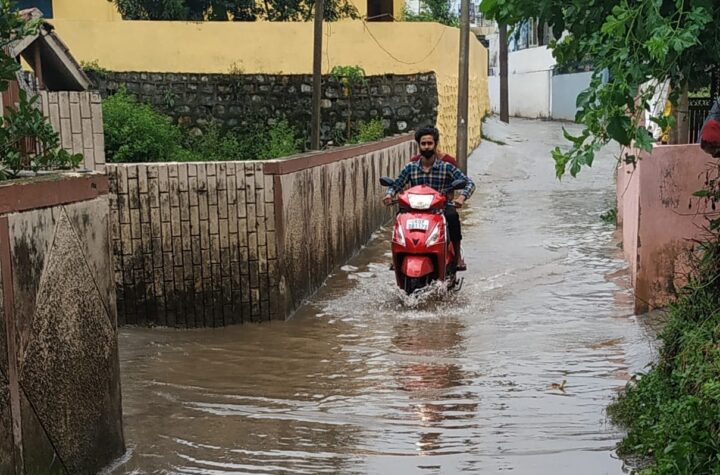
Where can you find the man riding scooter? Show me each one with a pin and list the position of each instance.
(445, 157)
(430, 170)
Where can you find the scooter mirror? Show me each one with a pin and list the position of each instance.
(458, 184)
(385, 181)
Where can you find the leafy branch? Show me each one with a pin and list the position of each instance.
(639, 45)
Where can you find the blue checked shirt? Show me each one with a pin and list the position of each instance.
(440, 176)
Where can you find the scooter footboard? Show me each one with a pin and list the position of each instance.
(417, 266)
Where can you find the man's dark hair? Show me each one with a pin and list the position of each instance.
(427, 130)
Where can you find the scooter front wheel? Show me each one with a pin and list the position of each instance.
(413, 284)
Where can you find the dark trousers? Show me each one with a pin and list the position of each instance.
(453, 224)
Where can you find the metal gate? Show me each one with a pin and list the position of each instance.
(699, 108)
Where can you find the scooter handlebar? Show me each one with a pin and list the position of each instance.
(394, 202)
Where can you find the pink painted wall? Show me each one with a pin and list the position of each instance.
(660, 217)
(628, 193)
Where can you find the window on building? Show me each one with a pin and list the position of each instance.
(380, 10)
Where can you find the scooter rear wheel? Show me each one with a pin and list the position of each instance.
(413, 284)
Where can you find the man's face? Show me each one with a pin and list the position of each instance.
(427, 142)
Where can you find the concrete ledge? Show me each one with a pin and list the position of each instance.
(297, 163)
(50, 190)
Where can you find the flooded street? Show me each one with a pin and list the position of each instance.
(364, 381)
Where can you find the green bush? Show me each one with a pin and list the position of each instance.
(672, 413)
(93, 67)
(26, 124)
(253, 142)
(214, 144)
(280, 140)
(370, 132)
(135, 132)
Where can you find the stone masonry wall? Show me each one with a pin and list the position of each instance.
(402, 102)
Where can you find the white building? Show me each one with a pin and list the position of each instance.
(535, 87)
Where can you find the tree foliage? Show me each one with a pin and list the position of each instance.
(238, 10)
(12, 27)
(635, 41)
(433, 10)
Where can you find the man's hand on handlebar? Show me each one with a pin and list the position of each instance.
(459, 201)
(388, 200)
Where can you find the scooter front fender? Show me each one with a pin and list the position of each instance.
(417, 266)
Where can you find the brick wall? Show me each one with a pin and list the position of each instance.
(194, 243)
(77, 118)
(209, 244)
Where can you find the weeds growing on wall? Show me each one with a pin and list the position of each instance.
(371, 131)
(135, 132)
(350, 79)
(28, 142)
(672, 413)
(93, 67)
(279, 140)
(610, 216)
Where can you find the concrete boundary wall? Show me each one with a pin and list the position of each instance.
(327, 205)
(564, 92)
(60, 409)
(208, 244)
(77, 118)
(194, 243)
(660, 218)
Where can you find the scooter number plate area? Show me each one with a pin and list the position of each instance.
(418, 224)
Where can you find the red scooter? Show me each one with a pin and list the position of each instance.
(421, 249)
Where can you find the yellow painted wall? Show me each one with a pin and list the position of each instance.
(398, 6)
(212, 47)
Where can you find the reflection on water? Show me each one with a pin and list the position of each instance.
(364, 380)
(434, 384)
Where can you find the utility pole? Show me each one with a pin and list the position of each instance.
(504, 96)
(317, 76)
(462, 108)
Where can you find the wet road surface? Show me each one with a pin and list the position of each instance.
(363, 380)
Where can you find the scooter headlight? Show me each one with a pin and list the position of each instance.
(418, 201)
(434, 236)
(399, 236)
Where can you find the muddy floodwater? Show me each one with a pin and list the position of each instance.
(363, 380)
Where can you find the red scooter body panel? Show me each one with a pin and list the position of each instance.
(417, 266)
